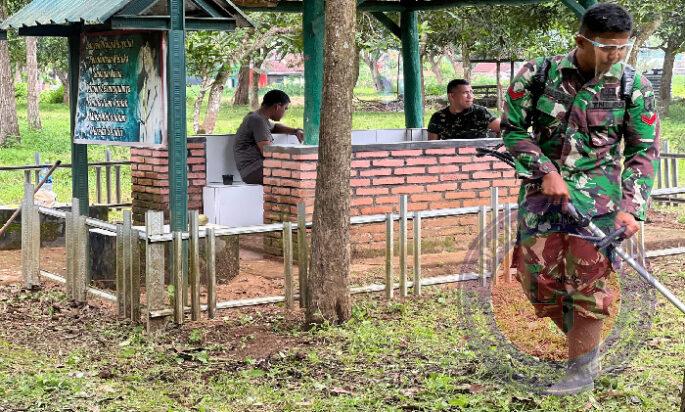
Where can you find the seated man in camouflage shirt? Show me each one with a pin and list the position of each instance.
(461, 119)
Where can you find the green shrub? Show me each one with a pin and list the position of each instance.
(53, 95)
(21, 90)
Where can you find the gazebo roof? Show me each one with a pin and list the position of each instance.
(43, 17)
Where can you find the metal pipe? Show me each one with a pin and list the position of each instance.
(403, 246)
(98, 293)
(417, 254)
(389, 251)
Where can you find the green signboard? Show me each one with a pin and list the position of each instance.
(122, 94)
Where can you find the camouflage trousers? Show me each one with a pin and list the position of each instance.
(563, 275)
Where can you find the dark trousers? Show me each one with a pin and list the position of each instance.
(254, 178)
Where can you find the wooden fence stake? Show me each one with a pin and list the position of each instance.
(210, 250)
(403, 246)
(177, 256)
(494, 198)
(120, 268)
(30, 239)
(128, 263)
(155, 293)
(482, 234)
(288, 263)
(417, 254)
(507, 242)
(194, 276)
(302, 253)
(389, 277)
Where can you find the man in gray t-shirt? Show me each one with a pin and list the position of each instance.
(255, 132)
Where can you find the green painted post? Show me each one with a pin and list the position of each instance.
(178, 152)
(588, 3)
(79, 152)
(313, 29)
(413, 112)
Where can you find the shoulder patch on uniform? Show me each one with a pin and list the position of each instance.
(649, 119)
(650, 103)
(516, 95)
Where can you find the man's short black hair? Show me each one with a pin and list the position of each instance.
(606, 18)
(275, 96)
(456, 83)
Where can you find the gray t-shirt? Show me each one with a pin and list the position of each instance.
(254, 128)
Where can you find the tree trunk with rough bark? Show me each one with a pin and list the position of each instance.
(64, 79)
(328, 286)
(242, 91)
(197, 106)
(254, 86)
(667, 79)
(454, 61)
(643, 35)
(33, 98)
(466, 61)
(214, 99)
(375, 73)
(9, 125)
(435, 68)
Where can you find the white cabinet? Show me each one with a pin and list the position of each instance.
(234, 205)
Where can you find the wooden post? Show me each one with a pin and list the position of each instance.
(177, 256)
(98, 184)
(302, 255)
(389, 278)
(155, 292)
(80, 276)
(108, 176)
(117, 183)
(494, 197)
(36, 173)
(417, 254)
(30, 239)
(128, 258)
(482, 234)
(288, 263)
(403, 246)
(641, 244)
(194, 276)
(210, 250)
(507, 242)
(27, 176)
(120, 268)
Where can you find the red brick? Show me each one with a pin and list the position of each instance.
(138, 173)
(426, 197)
(454, 159)
(422, 179)
(406, 190)
(467, 150)
(409, 170)
(366, 155)
(364, 191)
(388, 180)
(272, 163)
(452, 177)
(157, 161)
(161, 169)
(147, 168)
(137, 159)
(194, 160)
(443, 169)
(501, 165)
(161, 183)
(509, 173)
(388, 162)
(195, 189)
(196, 175)
(298, 165)
(157, 190)
(476, 202)
(406, 153)
(361, 201)
(143, 182)
(384, 200)
(487, 175)
(310, 156)
(198, 168)
(461, 195)
(360, 182)
(422, 161)
(506, 183)
(196, 153)
(361, 164)
(479, 184)
(280, 173)
(160, 153)
(302, 175)
(441, 187)
(195, 145)
(278, 155)
(200, 182)
(475, 166)
(417, 206)
(375, 210)
(141, 152)
(375, 172)
(441, 151)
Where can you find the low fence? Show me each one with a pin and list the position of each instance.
(108, 187)
(132, 243)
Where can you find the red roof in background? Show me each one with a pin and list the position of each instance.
(289, 64)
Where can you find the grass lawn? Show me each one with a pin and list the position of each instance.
(416, 355)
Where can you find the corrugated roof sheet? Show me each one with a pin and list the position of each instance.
(42, 12)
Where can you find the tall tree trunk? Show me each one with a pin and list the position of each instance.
(254, 86)
(242, 91)
(667, 78)
(375, 73)
(64, 79)
(33, 97)
(329, 295)
(466, 61)
(9, 125)
(197, 106)
(435, 68)
(214, 100)
(454, 61)
(643, 35)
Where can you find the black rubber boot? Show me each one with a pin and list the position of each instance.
(579, 376)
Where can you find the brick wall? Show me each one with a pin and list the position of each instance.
(150, 178)
(434, 175)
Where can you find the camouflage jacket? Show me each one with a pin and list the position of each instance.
(578, 127)
(470, 124)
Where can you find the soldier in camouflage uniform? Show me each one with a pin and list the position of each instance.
(584, 113)
(462, 119)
